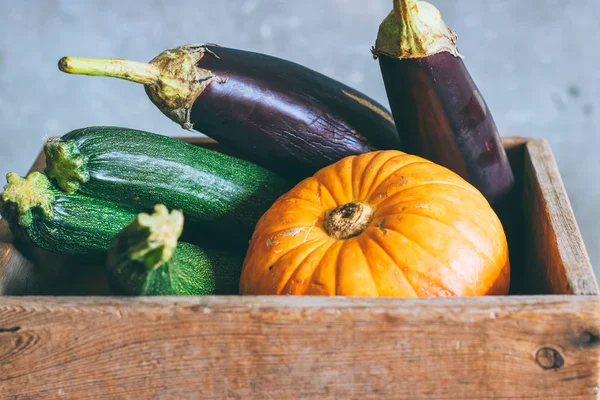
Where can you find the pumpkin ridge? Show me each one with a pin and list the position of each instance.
(338, 261)
(286, 252)
(272, 236)
(355, 182)
(389, 175)
(310, 281)
(446, 267)
(375, 202)
(450, 226)
(362, 183)
(339, 192)
(250, 263)
(362, 250)
(298, 266)
(317, 264)
(387, 253)
(299, 249)
(371, 188)
(449, 271)
(383, 207)
(323, 186)
(308, 205)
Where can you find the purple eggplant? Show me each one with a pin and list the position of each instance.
(438, 110)
(274, 112)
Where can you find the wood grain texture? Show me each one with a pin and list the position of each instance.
(297, 348)
(28, 270)
(510, 212)
(557, 260)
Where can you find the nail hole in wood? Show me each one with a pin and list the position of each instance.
(11, 329)
(549, 358)
(588, 339)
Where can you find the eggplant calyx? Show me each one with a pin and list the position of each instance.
(22, 195)
(65, 164)
(150, 239)
(181, 81)
(414, 29)
(172, 79)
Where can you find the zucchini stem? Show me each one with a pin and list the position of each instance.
(139, 72)
(26, 194)
(150, 239)
(65, 164)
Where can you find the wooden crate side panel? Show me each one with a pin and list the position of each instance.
(510, 212)
(296, 348)
(27, 270)
(557, 259)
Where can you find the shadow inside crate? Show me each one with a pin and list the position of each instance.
(28, 270)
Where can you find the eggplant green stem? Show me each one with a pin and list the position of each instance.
(172, 80)
(150, 239)
(414, 29)
(26, 194)
(134, 71)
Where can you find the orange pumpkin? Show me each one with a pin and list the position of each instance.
(384, 223)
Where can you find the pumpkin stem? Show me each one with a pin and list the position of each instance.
(348, 220)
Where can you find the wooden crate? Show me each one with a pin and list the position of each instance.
(542, 341)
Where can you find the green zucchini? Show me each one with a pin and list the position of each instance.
(146, 259)
(59, 222)
(222, 193)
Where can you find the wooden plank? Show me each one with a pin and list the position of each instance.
(557, 259)
(300, 347)
(26, 270)
(512, 142)
(39, 164)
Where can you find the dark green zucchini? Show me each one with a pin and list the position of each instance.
(59, 222)
(222, 193)
(146, 259)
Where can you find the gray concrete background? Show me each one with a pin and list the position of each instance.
(536, 63)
